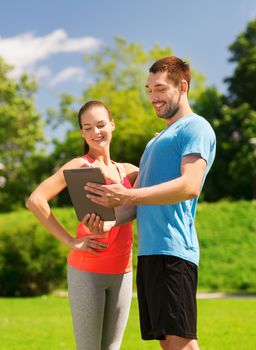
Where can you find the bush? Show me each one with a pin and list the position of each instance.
(32, 261)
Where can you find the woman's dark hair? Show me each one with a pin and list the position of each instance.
(86, 107)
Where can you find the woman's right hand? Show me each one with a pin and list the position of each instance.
(96, 225)
(88, 243)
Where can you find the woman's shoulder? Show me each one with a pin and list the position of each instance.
(131, 171)
(77, 162)
(129, 168)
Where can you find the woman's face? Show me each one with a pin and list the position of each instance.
(97, 127)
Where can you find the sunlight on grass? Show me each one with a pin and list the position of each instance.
(45, 323)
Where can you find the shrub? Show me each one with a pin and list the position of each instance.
(32, 261)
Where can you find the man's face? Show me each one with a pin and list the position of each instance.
(163, 94)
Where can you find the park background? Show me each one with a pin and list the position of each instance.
(54, 56)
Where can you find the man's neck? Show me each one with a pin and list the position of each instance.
(181, 113)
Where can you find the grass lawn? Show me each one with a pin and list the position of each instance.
(45, 323)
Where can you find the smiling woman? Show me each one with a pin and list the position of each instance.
(96, 124)
(99, 264)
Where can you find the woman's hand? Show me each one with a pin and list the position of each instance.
(96, 225)
(88, 243)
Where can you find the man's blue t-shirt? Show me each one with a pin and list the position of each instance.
(169, 229)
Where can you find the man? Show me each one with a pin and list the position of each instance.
(172, 172)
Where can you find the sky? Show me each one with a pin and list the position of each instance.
(48, 39)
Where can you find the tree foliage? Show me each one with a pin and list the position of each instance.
(119, 76)
(241, 85)
(233, 174)
(20, 131)
(234, 119)
(242, 112)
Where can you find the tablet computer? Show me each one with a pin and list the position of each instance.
(76, 179)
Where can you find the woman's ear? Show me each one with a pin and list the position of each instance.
(113, 125)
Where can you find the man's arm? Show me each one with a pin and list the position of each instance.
(185, 187)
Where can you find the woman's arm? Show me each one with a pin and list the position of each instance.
(38, 204)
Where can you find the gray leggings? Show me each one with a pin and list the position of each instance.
(100, 305)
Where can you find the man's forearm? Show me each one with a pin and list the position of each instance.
(169, 192)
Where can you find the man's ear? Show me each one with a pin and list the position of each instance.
(183, 86)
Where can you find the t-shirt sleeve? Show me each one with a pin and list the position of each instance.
(197, 137)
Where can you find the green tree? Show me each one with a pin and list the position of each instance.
(234, 119)
(20, 131)
(241, 88)
(118, 78)
(234, 172)
(209, 104)
(242, 83)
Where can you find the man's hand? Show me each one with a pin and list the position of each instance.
(109, 196)
(96, 225)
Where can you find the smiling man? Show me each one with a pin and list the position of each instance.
(172, 172)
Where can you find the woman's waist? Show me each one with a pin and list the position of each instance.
(119, 247)
(102, 263)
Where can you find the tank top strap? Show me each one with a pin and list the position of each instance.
(89, 160)
(121, 170)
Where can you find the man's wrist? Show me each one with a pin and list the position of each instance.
(132, 197)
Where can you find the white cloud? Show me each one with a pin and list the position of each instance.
(68, 73)
(42, 72)
(24, 51)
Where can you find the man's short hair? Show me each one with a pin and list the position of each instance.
(176, 68)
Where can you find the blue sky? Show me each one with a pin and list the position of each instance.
(49, 38)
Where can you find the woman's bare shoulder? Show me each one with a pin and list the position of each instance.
(131, 171)
(77, 162)
(130, 168)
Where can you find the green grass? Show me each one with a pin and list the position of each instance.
(45, 323)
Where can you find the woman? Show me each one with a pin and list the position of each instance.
(99, 265)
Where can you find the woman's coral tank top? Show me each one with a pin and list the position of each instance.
(117, 258)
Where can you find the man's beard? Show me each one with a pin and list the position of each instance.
(171, 111)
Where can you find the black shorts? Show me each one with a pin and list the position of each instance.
(166, 287)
